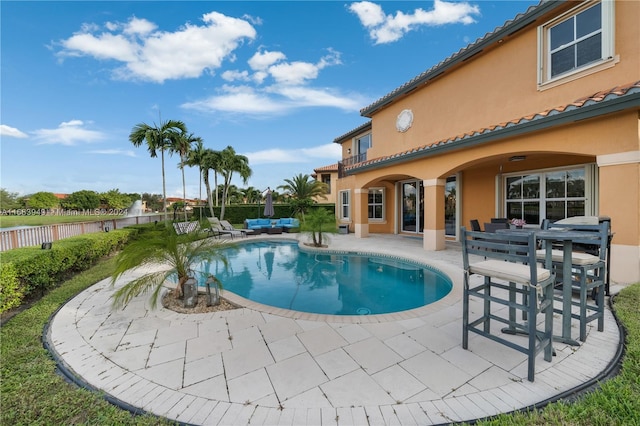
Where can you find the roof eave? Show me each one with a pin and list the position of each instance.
(472, 50)
(586, 112)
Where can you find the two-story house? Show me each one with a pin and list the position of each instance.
(537, 120)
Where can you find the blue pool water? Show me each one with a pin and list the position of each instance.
(279, 274)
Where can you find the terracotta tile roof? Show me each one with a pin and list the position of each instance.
(498, 35)
(329, 168)
(630, 90)
(351, 133)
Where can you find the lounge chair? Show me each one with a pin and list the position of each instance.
(229, 227)
(186, 227)
(216, 227)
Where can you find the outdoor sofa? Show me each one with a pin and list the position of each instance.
(262, 224)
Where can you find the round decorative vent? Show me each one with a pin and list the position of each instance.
(404, 120)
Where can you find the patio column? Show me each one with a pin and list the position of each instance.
(619, 179)
(434, 232)
(361, 212)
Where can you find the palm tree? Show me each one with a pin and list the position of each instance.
(319, 220)
(182, 146)
(232, 163)
(195, 159)
(210, 161)
(301, 191)
(158, 138)
(251, 195)
(161, 248)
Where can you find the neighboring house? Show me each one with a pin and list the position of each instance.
(190, 202)
(538, 119)
(329, 176)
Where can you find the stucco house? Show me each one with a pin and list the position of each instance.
(536, 120)
(329, 176)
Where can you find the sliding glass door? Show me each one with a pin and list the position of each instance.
(412, 197)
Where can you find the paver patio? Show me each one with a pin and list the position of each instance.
(264, 365)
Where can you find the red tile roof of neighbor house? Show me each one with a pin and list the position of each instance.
(605, 101)
(61, 196)
(329, 168)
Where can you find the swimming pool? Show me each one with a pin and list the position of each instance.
(277, 273)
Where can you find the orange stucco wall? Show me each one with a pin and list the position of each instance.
(497, 86)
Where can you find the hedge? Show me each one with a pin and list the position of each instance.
(30, 271)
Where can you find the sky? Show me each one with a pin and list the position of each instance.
(276, 80)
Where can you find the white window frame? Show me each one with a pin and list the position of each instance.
(608, 58)
(357, 142)
(345, 207)
(591, 183)
(381, 204)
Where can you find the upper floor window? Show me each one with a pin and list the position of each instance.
(326, 179)
(363, 143)
(576, 41)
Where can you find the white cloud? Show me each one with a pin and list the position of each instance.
(330, 152)
(11, 132)
(274, 100)
(152, 55)
(288, 89)
(127, 153)
(234, 75)
(260, 61)
(68, 133)
(388, 28)
(239, 99)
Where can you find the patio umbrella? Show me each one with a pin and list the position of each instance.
(268, 205)
(268, 259)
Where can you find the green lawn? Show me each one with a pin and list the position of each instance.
(31, 393)
(37, 220)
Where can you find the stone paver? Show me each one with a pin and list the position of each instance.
(266, 366)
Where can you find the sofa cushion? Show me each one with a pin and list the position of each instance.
(288, 222)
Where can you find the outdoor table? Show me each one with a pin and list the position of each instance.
(566, 237)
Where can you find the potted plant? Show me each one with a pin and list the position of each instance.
(167, 256)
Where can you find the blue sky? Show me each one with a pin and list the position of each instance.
(278, 81)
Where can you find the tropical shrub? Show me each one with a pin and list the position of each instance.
(170, 256)
(317, 223)
(30, 271)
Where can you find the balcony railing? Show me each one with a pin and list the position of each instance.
(350, 161)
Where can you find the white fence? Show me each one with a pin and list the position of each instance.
(36, 235)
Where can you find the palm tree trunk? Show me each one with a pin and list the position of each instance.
(200, 193)
(184, 187)
(215, 181)
(164, 187)
(205, 176)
